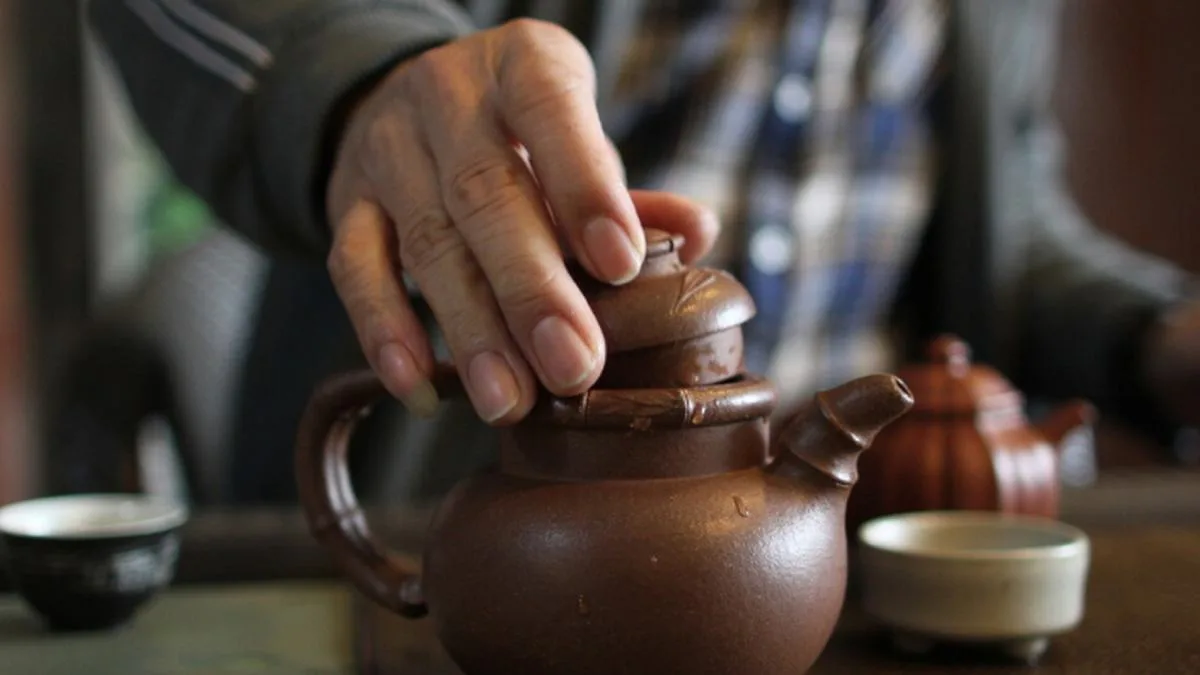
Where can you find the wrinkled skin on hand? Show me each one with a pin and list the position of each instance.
(476, 168)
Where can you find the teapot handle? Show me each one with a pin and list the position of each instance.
(330, 505)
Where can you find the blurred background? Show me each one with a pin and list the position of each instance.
(88, 213)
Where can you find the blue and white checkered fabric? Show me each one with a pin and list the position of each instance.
(804, 127)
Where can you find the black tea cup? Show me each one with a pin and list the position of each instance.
(90, 562)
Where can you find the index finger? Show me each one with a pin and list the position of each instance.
(546, 98)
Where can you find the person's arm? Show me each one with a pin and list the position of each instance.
(1079, 310)
(419, 121)
(1090, 306)
(243, 98)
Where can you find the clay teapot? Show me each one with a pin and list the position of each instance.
(967, 444)
(642, 527)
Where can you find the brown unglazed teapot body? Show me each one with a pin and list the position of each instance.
(638, 528)
(966, 445)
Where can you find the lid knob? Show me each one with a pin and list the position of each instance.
(660, 242)
(673, 324)
(951, 351)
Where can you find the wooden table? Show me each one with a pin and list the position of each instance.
(1143, 593)
(292, 628)
(289, 613)
(274, 543)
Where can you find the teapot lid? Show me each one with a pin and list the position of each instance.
(663, 323)
(949, 383)
(668, 302)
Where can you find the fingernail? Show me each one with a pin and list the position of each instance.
(565, 358)
(494, 388)
(613, 252)
(399, 368)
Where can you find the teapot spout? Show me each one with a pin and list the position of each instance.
(828, 433)
(1060, 426)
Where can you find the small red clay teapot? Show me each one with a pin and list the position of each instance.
(638, 528)
(966, 445)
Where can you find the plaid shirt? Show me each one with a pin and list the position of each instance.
(801, 123)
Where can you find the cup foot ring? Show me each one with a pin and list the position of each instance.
(1024, 650)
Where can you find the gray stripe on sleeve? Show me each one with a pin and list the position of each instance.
(219, 31)
(190, 46)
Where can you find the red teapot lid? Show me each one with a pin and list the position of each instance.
(950, 383)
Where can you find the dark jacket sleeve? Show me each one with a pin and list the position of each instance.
(1083, 301)
(1070, 304)
(243, 98)
(1089, 301)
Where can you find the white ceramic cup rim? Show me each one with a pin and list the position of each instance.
(91, 516)
(890, 534)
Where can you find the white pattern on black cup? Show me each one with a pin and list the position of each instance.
(90, 562)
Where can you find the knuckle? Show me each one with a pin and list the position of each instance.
(333, 265)
(379, 136)
(551, 93)
(483, 188)
(337, 262)
(546, 64)
(525, 32)
(384, 138)
(436, 80)
(427, 240)
(428, 69)
(467, 328)
(541, 38)
(380, 133)
(523, 286)
(538, 100)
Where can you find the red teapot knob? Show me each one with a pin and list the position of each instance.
(950, 351)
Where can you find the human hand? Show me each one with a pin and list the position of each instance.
(1171, 363)
(473, 167)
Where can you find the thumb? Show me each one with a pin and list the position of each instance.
(679, 215)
